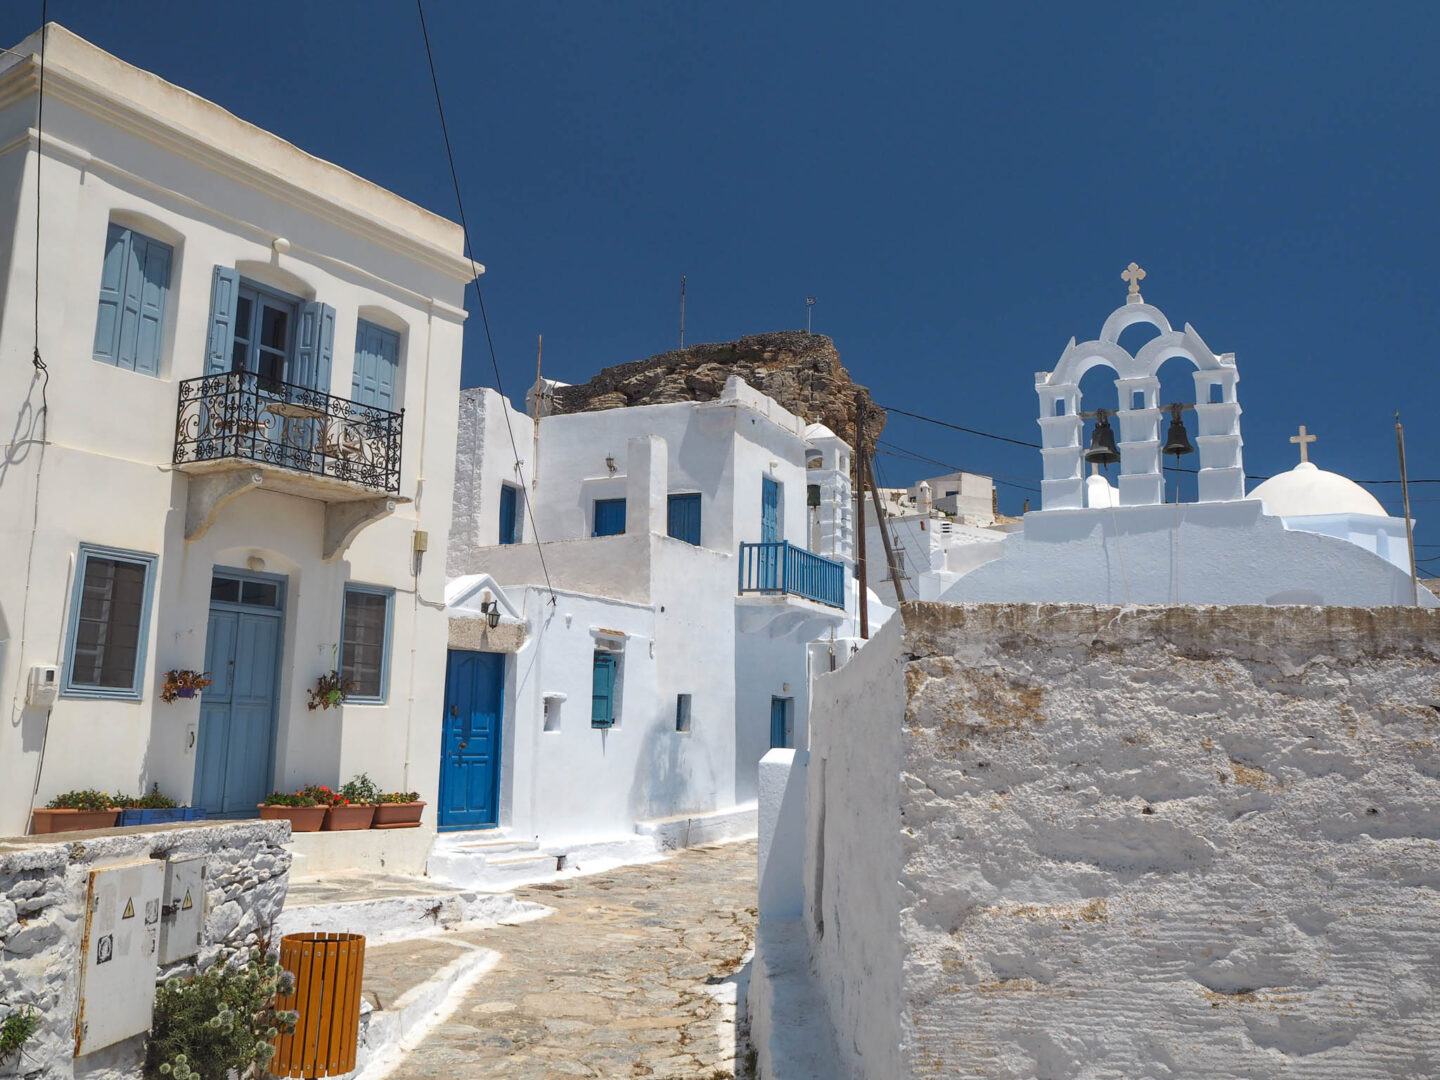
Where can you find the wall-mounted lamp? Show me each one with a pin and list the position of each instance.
(610, 464)
(280, 244)
(491, 610)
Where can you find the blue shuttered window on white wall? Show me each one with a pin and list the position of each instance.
(134, 285)
(684, 517)
(602, 699)
(377, 360)
(276, 336)
(609, 517)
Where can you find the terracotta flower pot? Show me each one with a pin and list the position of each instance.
(53, 821)
(345, 818)
(403, 815)
(301, 818)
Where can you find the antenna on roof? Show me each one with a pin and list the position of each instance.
(682, 311)
(809, 306)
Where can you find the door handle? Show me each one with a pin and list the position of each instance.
(463, 745)
(454, 710)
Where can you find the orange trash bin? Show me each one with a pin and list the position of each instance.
(328, 969)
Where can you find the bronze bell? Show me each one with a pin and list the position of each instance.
(1102, 441)
(1177, 439)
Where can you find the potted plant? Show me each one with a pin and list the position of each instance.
(304, 809)
(183, 683)
(398, 810)
(330, 691)
(74, 810)
(153, 808)
(353, 806)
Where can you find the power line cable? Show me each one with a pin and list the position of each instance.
(896, 451)
(479, 296)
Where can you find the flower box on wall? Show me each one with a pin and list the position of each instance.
(161, 816)
(301, 818)
(344, 818)
(398, 815)
(57, 821)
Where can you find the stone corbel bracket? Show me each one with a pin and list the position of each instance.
(343, 522)
(208, 493)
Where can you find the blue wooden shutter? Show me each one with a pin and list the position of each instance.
(777, 721)
(377, 357)
(153, 263)
(314, 347)
(602, 702)
(684, 518)
(770, 510)
(507, 514)
(609, 517)
(112, 285)
(224, 292)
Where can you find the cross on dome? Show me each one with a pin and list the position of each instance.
(1134, 275)
(1304, 439)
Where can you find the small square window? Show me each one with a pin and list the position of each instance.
(365, 643)
(682, 712)
(609, 517)
(1060, 408)
(1217, 394)
(109, 621)
(1137, 399)
(225, 590)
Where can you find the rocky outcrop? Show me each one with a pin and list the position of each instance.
(801, 371)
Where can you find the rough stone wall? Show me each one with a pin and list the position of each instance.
(1171, 842)
(800, 371)
(44, 882)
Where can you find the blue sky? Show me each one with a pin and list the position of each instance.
(959, 185)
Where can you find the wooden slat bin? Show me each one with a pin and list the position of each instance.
(327, 969)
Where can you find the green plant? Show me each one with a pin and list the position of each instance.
(222, 1019)
(398, 797)
(303, 797)
(360, 790)
(89, 799)
(330, 691)
(16, 1029)
(183, 679)
(151, 800)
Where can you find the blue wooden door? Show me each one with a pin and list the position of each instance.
(470, 750)
(507, 514)
(237, 712)
(769, 510)
(684, 518)
(782, 724)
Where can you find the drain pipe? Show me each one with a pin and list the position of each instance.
(417, 557)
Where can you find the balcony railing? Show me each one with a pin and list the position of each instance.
(777, 566)
(241, 414)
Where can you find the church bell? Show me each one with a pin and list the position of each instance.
(1177, 439)
(1102, 441)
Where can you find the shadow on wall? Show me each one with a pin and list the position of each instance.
(667, 782)
(29, 429)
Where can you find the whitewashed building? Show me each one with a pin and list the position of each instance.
(653, 644)
(235, 458)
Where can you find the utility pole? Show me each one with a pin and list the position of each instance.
(539, 392)
(809, 307)
(858, 483)
(682, 311)
(1409, 527)
(881, 517)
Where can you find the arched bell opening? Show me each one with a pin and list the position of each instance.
(1179, 458)
(1100, 435)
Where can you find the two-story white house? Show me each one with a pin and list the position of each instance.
(655, 642)
(236, 458)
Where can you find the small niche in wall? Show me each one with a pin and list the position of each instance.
(682, 712)
(552, 705)
(1217, 394)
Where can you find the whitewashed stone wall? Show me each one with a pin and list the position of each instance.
(44, 882)
(1147, 842)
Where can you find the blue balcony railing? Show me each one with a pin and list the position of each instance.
(777, 566)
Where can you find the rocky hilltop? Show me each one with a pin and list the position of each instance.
(801, 371)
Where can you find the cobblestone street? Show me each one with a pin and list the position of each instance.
(622, 981)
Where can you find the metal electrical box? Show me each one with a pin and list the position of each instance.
(182, 915)
(118, 954)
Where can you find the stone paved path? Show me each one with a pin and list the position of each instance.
(614, 984)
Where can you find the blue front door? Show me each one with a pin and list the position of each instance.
(237, 710)
(470, 751)
(782, 722)
(769, 510)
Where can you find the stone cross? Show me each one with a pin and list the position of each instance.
(1134, 275)
(1304, 440)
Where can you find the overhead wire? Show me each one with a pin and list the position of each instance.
(479, 296)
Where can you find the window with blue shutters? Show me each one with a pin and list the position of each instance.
(134, 285)
(609, 517)
(602, 700)
(684, 518)
(377, 361)
(280, 338)
(769, 510)
(509, 519)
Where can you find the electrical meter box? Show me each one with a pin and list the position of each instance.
(182, 915)
(44, 685)
(118, 954)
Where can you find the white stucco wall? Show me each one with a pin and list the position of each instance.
(146, 158)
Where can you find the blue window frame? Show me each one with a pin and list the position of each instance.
(365, 642)
(602, 700)
(509, 519)
(377, 362)
(684, 518)
(109, 623)
(609, 517)
(134, 285)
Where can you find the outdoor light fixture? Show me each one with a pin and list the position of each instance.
(610, 464)
(491, 611)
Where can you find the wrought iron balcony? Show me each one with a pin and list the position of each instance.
(243, 415)
(778, 567)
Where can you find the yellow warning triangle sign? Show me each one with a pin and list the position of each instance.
(129, 909)
(187, 903)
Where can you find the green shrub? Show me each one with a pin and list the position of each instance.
(151, 800)
(360, 790)
(89, 799)
(222, 1019)
(398, 797)
(16, 1029)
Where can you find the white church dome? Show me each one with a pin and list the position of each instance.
(1306, 490)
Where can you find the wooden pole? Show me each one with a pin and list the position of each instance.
(1409, 527)
(682, 311)
(858, 483)
(539, 391)
(881, 517)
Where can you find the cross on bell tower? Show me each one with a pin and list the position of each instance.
(1304, 439)
(1134, 275)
